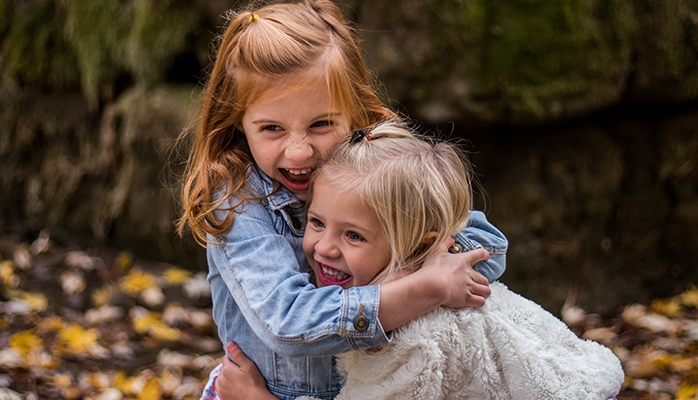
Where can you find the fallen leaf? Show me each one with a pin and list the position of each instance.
(7, 274)
(109, 394)
(176, 276)
(81, 260)
(152, 296)
(123, 261)
(687, 392)
(689, 298)
(197, 286)
(72, 282)
(104, 295)
(77, 340)
(136, 282)
(151, 390)
(9, 394)
(25, 341)
(670, 307)
(42, 244)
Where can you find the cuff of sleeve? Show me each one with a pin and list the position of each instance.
(359, 322)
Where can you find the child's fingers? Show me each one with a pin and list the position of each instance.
(237, 356)
(473, 257)
(446, 244)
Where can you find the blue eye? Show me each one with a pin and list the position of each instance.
(353, 236)
(317, 223)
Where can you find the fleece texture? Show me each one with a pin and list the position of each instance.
(509, 349)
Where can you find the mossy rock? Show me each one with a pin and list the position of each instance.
(528, 62)
(93, 44)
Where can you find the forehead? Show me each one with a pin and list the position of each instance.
(342, 203)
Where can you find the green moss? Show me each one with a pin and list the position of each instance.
(91, 44)
(96, 30)
(158, 33)
(33, 48)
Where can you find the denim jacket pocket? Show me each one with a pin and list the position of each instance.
(293, 375)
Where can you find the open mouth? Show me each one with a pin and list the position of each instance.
(296, 179)
(330, 276)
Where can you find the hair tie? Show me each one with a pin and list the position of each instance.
(253, 17)
(360, 134)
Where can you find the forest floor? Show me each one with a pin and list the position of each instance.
(99, 324)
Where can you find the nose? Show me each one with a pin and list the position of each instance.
(300, 149)
(327, 247)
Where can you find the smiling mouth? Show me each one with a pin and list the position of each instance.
(297, 176)
(330, 276)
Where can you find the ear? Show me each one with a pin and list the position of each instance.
(428, 239)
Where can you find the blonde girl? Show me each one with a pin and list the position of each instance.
(287, 85)
(401, 196)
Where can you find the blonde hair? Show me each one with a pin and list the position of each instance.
(292, 45)
(418, 186)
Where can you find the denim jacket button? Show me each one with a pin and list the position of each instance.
(361, 323)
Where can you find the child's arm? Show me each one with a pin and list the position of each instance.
(481, 234)
(240, 379)
(258, 268)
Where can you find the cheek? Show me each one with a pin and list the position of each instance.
(308, 243)
(330, 142)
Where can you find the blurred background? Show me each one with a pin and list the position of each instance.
(581, 118)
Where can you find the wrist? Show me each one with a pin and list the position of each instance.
(430, 287)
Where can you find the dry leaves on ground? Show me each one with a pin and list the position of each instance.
(75, 324)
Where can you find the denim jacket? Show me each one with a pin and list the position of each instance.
(263, 300)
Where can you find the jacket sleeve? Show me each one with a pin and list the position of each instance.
(255, 271)
(480, 233)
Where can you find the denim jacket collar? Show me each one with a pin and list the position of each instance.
(277, 196)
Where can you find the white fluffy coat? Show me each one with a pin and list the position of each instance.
(509, 349)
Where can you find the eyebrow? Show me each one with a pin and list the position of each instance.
(319, 117)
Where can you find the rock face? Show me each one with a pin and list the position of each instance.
(582, 117)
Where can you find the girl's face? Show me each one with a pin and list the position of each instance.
(343, 240)
(289, 134)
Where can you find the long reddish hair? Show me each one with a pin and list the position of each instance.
(281, 45)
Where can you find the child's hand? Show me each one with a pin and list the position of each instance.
(240, 379)
(462, 285)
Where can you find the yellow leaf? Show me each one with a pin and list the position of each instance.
(686, 392)
(164, 332)
(99, 380)
(669, 307)
(123, 383)
(143, 322)
(37, 302)
(151, 390)
(690, 297)
(77, 340)
(51, 324)
(124, 261)
(170, 382)
(7, 270)
(63, 381)
(682, 363)
(661, 359)
(137, 281)
(104, 295)
(25, 341)
(176, 276)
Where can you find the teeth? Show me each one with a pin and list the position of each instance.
(298, 171)
(334, 274)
